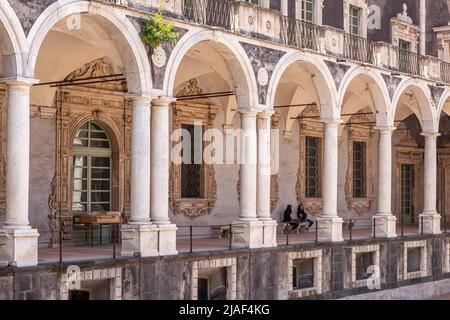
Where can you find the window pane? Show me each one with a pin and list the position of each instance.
(312, 167)
(100, 173)
(191, 181)
(100, 197)
(99, 144)
(100, 162)
(100, 185)
(359, 169)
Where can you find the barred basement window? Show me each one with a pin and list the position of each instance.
(191, 173)
(359, 169)
(303, 274)
(312, 165)
(92, 170)
(308, 10)
(355, 20)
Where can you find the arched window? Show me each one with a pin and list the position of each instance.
(92, 170)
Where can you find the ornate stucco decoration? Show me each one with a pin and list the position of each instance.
(360, 206)
(76, 106)
(403, 16)
(190, 89)
(309, 129)
(408, 152)
(159, 57)
(193, 112)
(2, 154)
(402, 28)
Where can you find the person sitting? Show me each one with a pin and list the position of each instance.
(303, 216)
(290, 218)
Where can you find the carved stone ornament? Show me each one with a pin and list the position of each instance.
(403, 16)
(159, 57)
(263, 77)
(190, 89)
(364, 205)
(77, 106)
(308, 129)
(193, 112)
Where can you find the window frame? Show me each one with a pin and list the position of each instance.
(89, 153)
(352, 18)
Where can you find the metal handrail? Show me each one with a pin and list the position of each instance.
(300, 34)
(358, 48)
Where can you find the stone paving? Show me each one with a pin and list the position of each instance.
(204, 244)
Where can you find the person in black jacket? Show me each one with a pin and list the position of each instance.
(303, 216)
(289, 217)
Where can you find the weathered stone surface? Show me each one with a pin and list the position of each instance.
(338, 72)
(29, 11)
(391, 83)
(261, 57)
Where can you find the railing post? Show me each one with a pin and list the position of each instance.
(351, 229)
(421, 225)
(403, 226)
(230, 235)
(114, 242)
(317, 232)
(60, 246)
(286, 228)
(190, 239)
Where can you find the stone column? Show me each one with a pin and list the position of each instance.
(160, 176)
(247, 231)
(264, 180)
(384, 221)
(21, 241)
(430, 219)
(329, 224)
(284, 7)
(139, 236)
(265, 3)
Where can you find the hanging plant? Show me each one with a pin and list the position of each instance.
(158, 30)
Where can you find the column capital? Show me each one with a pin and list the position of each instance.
(19, 81)
(248, 112)
(138, 99)
(266, 114)
(386, 130)
(332, 122)
(430, 135)
(162, 102)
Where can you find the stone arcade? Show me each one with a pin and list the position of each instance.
(361, 118)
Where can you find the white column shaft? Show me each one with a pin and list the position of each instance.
(330, 169)
(160, 161)
(385, 172)
(18, 156)
(264, 169)
(430, 174)
(140, 161)
(284, 7)
(248, 173)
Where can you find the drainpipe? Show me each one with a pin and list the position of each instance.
(423, 27)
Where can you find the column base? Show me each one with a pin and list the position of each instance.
(329, 229)
(19, 247)
(430, 222)
(167, 239)
(139, 240)
(270, 234)
(248, 234)
(385, 226)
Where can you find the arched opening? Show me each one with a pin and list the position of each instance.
(365, 104)
(86, 61)
(301, 92)
(413, 115)
(211, 80)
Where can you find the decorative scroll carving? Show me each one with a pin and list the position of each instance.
(76, 106)
(191, 89)
(308, 129)
(2, 155)
(97, 68)
(407, 152)
(360, 205)
(194, 112)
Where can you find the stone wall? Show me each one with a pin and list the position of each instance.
(257, 274)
